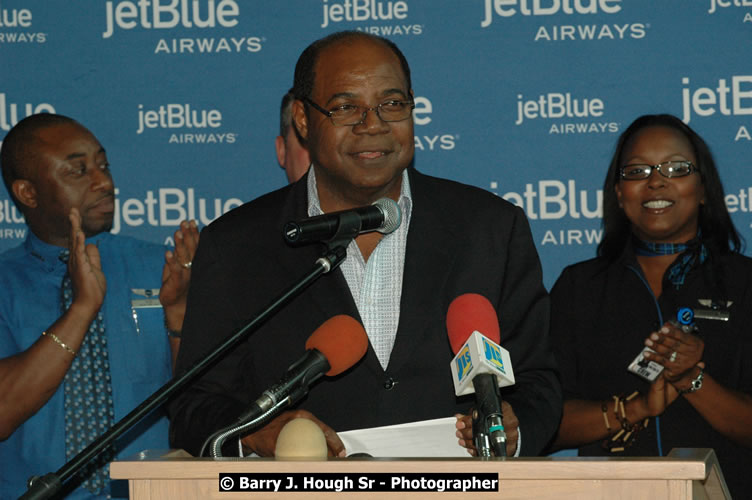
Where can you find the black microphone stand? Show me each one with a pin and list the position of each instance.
(41, 487)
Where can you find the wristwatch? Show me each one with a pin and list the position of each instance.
(695, 384)
(173, 334)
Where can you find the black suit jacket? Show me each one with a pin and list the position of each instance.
(461, 239)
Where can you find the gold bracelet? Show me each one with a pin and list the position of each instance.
(59, 342)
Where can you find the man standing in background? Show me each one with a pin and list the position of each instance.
(83, 340)
(291, 154)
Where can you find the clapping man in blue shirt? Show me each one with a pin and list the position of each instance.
(82, 338)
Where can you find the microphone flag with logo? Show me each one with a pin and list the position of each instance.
(480, 366)
(473, 328)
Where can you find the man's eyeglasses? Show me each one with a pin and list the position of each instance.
(350, 115)
(667, 169)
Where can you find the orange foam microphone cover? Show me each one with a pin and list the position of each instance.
(342, 340)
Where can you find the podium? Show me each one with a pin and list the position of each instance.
(684, 474)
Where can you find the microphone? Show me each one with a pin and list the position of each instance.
(383, 216)
(301, 438)
(334, 347)
(480, 366)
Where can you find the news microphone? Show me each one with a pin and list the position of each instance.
(480, 366)
(335, 346)
(383, 216)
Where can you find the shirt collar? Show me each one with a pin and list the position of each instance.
(405, 200)
(48, 255)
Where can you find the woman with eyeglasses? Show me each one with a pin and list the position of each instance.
(654, 335)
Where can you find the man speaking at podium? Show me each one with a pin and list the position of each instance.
(353, 108)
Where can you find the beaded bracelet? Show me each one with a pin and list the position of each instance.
(604, 409)
(59, 342)
(628, 432)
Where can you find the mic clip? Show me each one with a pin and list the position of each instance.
(480, 435)
(336, 246)
(349, 227)
(333, 256)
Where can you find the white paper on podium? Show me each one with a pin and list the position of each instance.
(428, 438)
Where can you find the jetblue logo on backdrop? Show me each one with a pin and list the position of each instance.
(11, 20)
(9, 213)
(167, 208)
(722, 4)
(566, 113)
(508, 8)
(15, 233)
(160, 14)
(559, 8)
(12, 112)
(552, 199)
(590, 32)
(556, 200)
(384, 17)
(199, 126)
(728, 97)
(15, 18)
(164, 207)
(430, 141)
(464, 363)
(181, 15)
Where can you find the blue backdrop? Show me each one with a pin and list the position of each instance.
(524, 98)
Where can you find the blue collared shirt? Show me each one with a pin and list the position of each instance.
(30, 278)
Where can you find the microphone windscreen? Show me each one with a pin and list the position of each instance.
(392, 214)
(468, 313)
(342, 340)
(301, 438)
